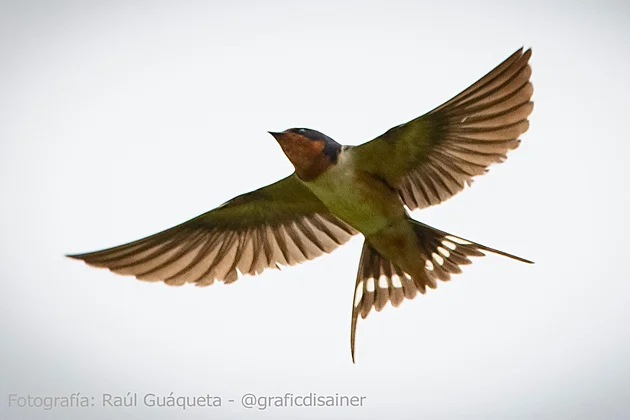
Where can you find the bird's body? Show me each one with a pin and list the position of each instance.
(355, 196)
(338, 191)
(372, 207)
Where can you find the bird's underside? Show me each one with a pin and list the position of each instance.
(425, 161)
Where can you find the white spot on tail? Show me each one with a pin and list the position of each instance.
(396, 282)
(382, 282)
(458, 240)
(358, 294)
(370, 285)
(437, 258)
(428, 265)
(449, 245)
(443, 252)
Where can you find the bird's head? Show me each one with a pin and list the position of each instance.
(310, 151)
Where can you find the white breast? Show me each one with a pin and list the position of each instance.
(354, 197)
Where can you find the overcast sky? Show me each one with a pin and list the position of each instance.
(120, 119)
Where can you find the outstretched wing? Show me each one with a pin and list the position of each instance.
(282, 223)
(433, 157)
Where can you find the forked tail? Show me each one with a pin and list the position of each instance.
(379, 281)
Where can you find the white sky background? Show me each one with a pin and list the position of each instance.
(120, 119)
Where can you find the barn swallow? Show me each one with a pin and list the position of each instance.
(338, 191)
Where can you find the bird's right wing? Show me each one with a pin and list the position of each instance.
(282, 223)
(433, 157)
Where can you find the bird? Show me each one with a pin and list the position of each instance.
(338, 191)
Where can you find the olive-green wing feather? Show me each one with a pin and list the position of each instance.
(433, 157)
(282, 223)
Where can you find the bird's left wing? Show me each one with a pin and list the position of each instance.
(282, 223)
(431, 158)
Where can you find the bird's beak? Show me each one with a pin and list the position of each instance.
(277, 136)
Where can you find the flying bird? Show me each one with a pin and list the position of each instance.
(339, 191)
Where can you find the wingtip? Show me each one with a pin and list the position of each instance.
(523, 51)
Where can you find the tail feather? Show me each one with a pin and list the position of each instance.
(380, 281)
(429, 236)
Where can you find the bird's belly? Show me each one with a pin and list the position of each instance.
(359, 199)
